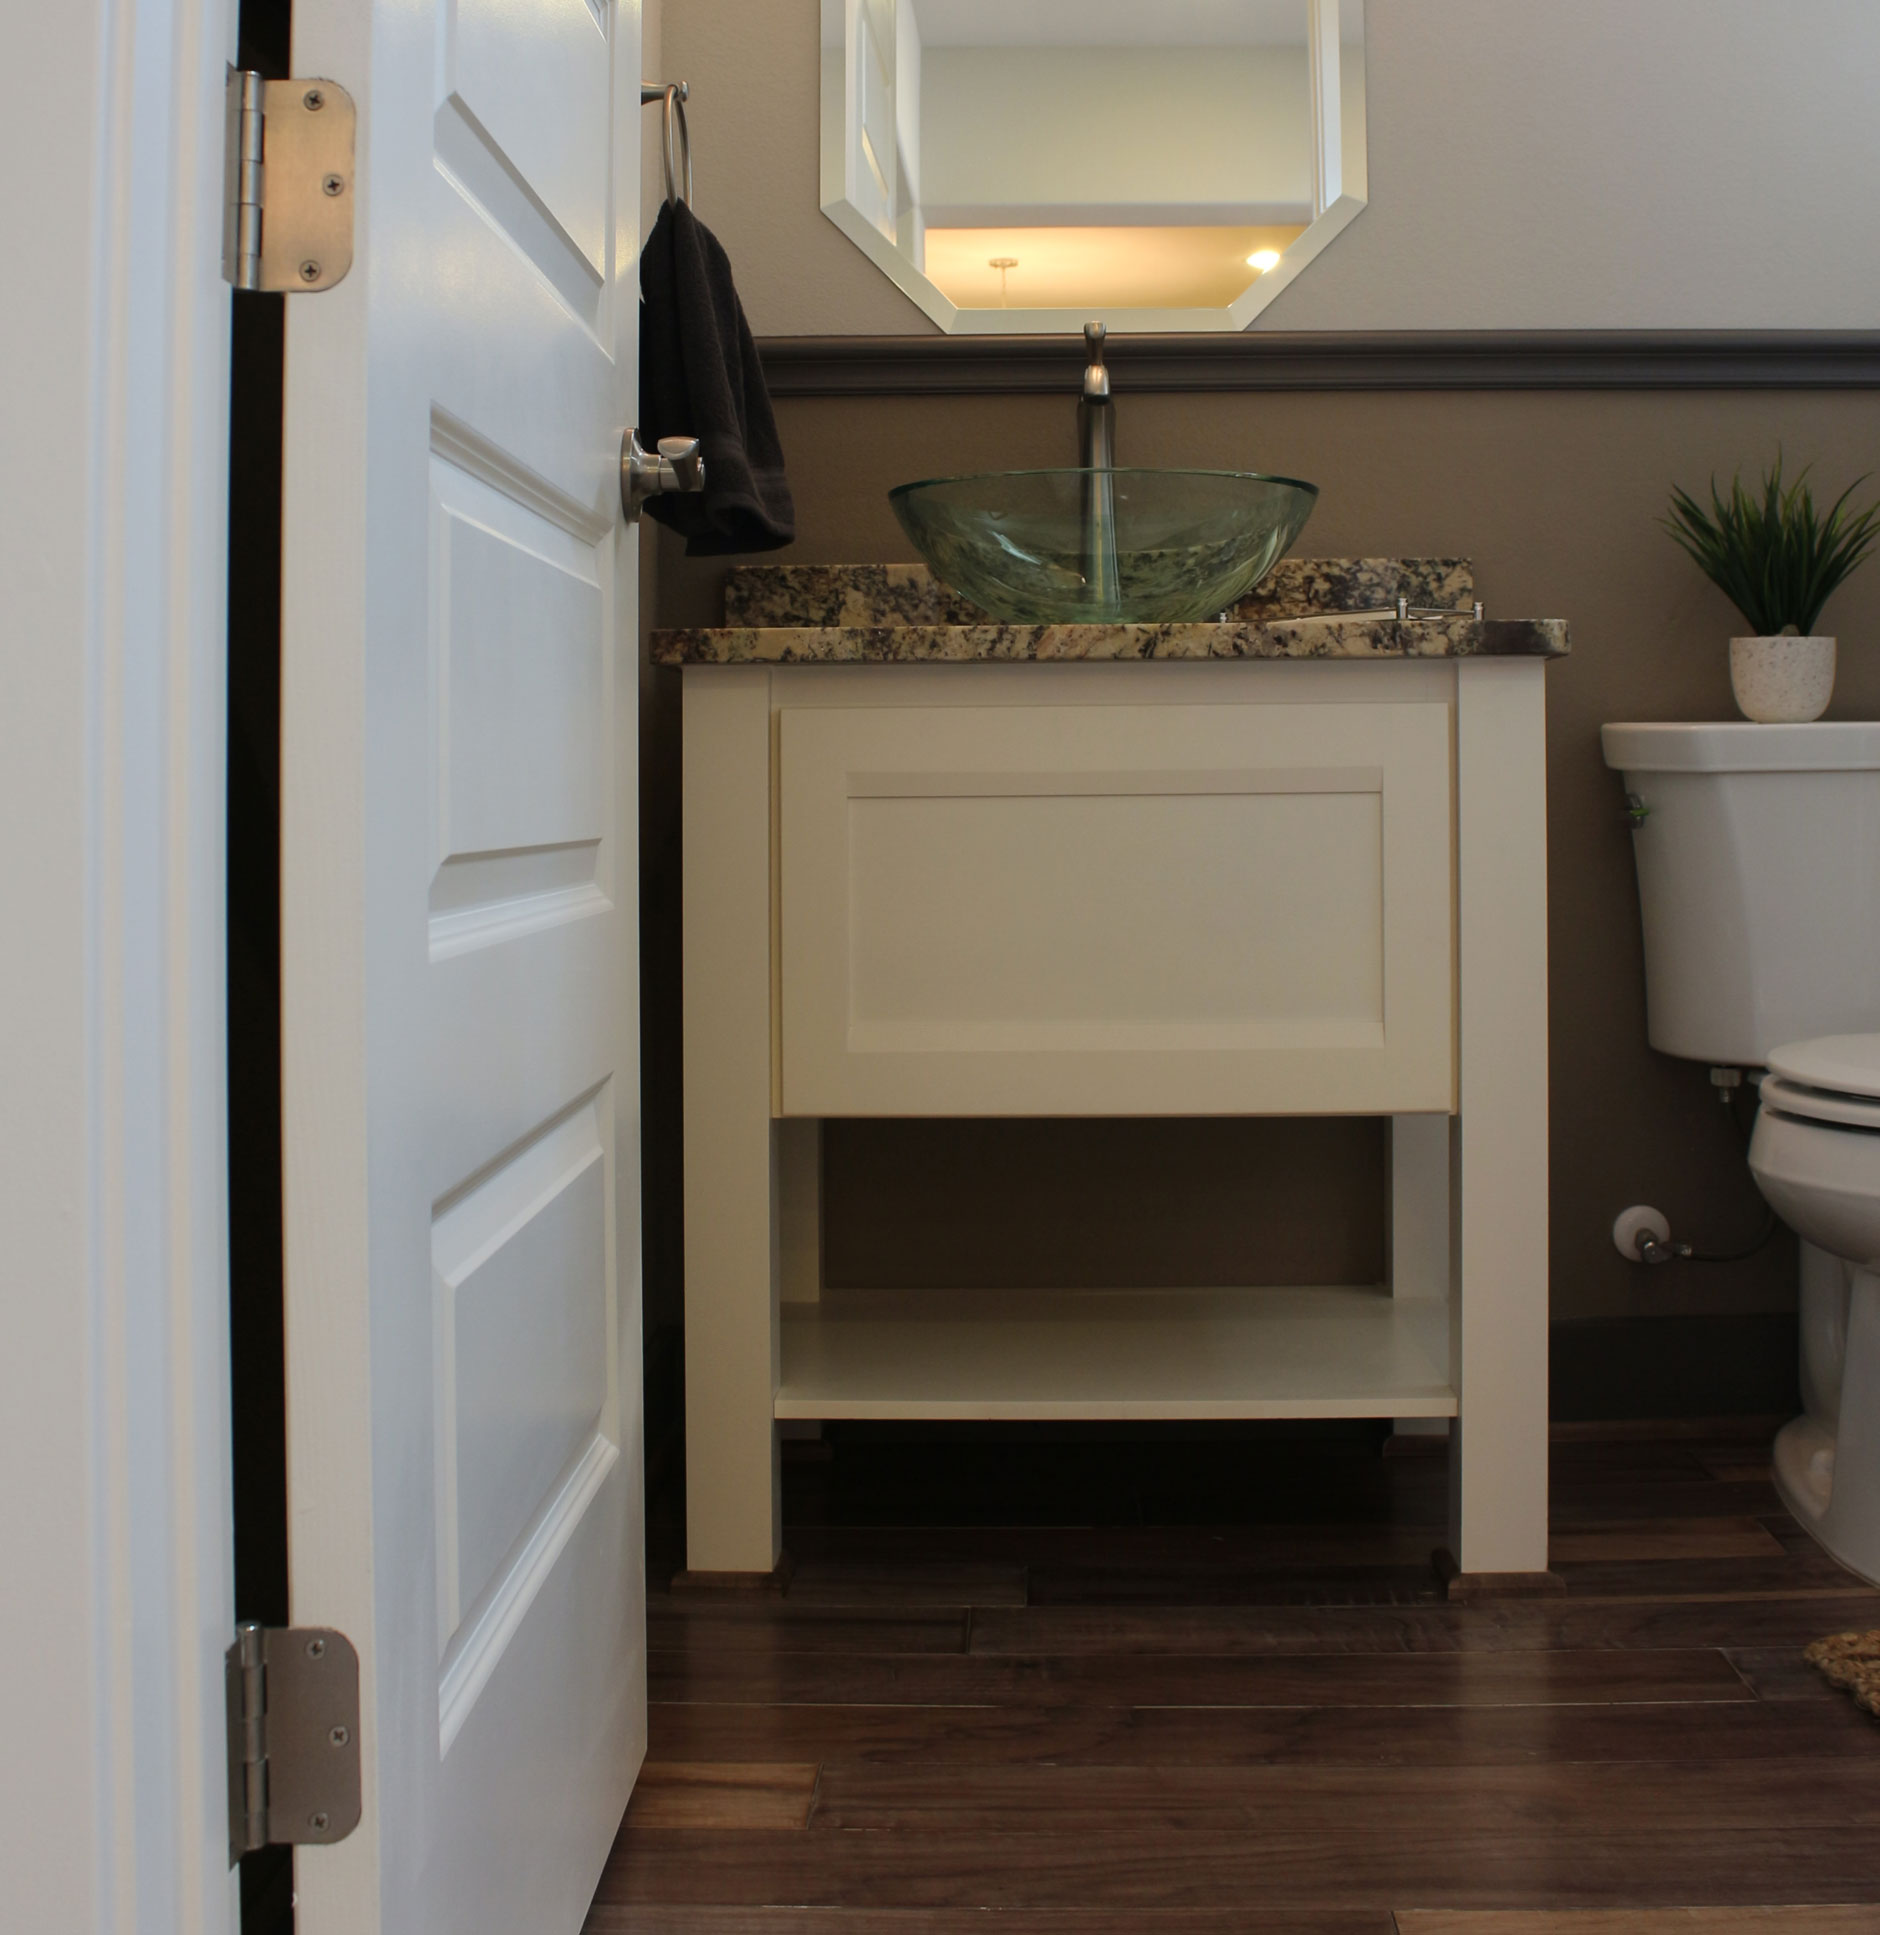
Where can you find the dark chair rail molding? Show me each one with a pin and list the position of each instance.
(1645, 359)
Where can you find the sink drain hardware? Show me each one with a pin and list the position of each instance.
(1406, 611)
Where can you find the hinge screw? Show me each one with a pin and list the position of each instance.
(316, 1648)
(319, 1822)
(313, 100)
(339, 1736)
(310, 272)
(333, 184)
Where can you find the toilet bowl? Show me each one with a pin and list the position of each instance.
(1815, 1155)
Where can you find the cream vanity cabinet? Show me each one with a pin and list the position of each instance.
(1286, 884)
(1126, 908)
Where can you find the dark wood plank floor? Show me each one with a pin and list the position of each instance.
(1201, 1685)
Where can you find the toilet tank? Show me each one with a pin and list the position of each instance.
(1759, 882)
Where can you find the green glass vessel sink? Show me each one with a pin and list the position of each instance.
(1104, 546)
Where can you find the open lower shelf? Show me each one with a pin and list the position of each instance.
(1320, 1352)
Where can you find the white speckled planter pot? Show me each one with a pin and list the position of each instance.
(1782, 680)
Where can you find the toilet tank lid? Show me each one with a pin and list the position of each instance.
(1738, 746)
(1847, 1064)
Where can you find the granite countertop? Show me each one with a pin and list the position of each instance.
(1339, 608)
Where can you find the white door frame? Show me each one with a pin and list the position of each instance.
(114, 1371)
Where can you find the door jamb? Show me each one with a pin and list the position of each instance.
(114, 1378)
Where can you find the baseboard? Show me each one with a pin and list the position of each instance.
(1713, 1367)
(1740, 1427)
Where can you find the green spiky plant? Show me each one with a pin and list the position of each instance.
(1775, 557)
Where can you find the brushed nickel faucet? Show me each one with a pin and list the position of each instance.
(1096, 457)
(1096, 425)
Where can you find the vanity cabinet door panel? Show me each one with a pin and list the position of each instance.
(1139, 909)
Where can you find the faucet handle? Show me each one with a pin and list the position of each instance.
(1096, 377)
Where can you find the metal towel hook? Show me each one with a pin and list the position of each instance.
(676, 136)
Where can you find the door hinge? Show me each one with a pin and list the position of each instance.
(288, 220)
(293, 1737)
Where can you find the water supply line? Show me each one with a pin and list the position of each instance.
(1642, 1234)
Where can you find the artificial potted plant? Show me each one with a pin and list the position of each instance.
(1777, 559)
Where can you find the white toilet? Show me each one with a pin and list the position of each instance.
(1758, 850)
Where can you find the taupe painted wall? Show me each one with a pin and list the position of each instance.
(1555, 496)
(1604, 164)
(1617, 163)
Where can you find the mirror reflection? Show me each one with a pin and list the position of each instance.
(1024, 164)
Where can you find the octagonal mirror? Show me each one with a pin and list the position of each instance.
(1026, 165)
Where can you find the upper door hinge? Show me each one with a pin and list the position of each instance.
(288, 221)
(293, 1737)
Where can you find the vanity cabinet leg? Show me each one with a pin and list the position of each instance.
(1498, 1138)
(1419, 1253)
(799, 1209)
(734, 1518)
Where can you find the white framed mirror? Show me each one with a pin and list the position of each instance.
(1024, 166)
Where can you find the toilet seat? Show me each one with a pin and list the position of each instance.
(1842, 1064)
(1820, 1104)
(1833, 1079)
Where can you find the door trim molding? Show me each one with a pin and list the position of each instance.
(1436, 359)
(114, 1366)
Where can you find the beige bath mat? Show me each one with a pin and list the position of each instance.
(1852, 1661)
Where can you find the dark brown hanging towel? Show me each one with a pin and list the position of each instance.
(700, 377)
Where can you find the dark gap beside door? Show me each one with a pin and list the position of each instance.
(258, 1372)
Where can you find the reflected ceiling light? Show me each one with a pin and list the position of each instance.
(1148, 266)
(1263, 259)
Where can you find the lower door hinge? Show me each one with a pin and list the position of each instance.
(293, 1737)
(287, 223)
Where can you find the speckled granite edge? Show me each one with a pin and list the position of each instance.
(1347, 638)
(1298, 587)
(842, 595)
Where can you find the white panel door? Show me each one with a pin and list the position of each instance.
(459, 892)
